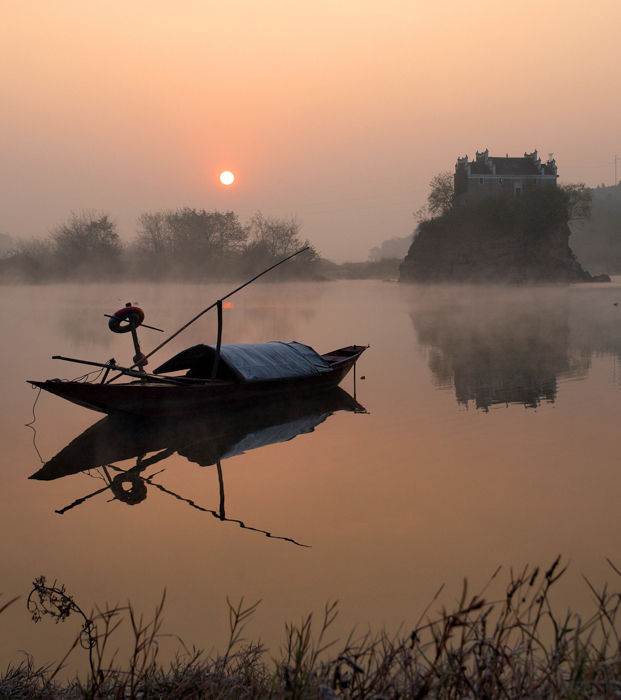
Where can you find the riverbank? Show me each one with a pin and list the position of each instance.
(516, 646)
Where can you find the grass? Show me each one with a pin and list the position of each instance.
(513, 647)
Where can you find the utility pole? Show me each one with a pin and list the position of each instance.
(616, 159)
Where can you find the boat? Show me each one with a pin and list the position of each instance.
(246, 373)
(217, 375)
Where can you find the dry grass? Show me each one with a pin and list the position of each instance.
(515, 647)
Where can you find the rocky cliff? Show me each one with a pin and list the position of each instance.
(497, 240)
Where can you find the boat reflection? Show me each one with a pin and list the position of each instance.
(205, 440)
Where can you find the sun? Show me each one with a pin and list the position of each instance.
(227, 177)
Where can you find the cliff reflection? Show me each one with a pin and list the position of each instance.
(205, 440)
(500, 347)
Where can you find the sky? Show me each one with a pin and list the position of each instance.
(337, 113)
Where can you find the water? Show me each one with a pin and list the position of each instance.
(490, 438)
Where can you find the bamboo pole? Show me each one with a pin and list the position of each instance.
(226, 296)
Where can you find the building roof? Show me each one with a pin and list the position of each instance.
(529, 165)
(505, 166)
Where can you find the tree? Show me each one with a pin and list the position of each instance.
(154, 237)
(191, 241)
(277, 237)
(202, 240)
(6, 244)
(28, 261)
(153, 247)
(579, 200)
(271, 239)
(442, 195)
(88, 243)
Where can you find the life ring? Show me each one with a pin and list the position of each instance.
(136, 492)
(133, 315)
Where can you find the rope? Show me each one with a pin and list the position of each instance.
(32, 427)
(84, 378)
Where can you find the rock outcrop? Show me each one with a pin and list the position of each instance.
(497, 240)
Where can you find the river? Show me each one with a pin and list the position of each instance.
(489, 437)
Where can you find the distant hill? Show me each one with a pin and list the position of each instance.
(597, 241)
(390, 249)
(385, 269)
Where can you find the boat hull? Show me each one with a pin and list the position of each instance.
(156, 398)
(202, 438)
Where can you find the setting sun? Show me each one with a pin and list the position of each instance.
(227, 177)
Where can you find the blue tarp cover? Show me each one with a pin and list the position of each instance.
(274, 360)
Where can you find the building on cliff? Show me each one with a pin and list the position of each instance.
(489, 175)
(493, 234)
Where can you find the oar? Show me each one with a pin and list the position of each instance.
(129, 371)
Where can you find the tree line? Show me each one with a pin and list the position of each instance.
(188, 244)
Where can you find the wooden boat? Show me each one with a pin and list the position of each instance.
(161, 393)
(220, 375)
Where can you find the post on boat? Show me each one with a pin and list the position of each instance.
(137, 352)
(139, 359)
(216, 360)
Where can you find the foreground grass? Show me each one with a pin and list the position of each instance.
(514, 647)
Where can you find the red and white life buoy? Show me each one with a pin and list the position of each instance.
(125, 319)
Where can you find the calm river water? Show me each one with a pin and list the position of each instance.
(490, 437)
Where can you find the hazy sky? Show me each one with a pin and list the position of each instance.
(337, 112)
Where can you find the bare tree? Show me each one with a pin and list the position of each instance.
(442, 195)
(579, 200)
(208, 235)
(191, 241)
(87, 243)
(277, 237)
(272, 238)
(154, 237)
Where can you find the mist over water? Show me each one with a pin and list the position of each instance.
(490, 439)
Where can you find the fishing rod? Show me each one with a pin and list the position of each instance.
(218, 304)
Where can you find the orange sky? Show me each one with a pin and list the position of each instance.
(336, 112)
